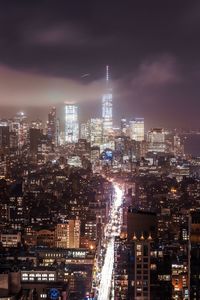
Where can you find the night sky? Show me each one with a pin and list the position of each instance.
(56, 51)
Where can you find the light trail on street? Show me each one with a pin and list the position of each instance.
(112, 230)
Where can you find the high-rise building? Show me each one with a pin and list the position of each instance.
(107, 107)
(178, 146)
(141, 230)
(71, 123)
(194, 255)
(74, 233)
(137, 129)
(20, 127)
(67, 235)
(96, 132)
(123, 126)
(4, 137)
(85, 131)
(156, 140)
(51, 126)
(122, 251)
(35, 135)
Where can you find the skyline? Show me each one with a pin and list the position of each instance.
(50, 56)
(99, 150)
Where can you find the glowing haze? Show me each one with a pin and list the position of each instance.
(52, 52)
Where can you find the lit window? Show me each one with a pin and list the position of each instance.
(153, 267)
(43, 295)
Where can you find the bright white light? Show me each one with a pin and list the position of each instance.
(106, 273)
(119, 194)
(114, 224)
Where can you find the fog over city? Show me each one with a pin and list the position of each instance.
(50, 53)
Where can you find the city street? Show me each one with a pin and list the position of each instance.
(112, 229)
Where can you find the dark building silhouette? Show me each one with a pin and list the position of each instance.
(35, 136)
(194, 257)
(141, 223)
(4, 137)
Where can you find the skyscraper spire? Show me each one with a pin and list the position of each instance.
(107, 108)
(107, 74)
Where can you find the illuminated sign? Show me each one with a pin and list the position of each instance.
(76, 254)
(107, 154)
(54, 294)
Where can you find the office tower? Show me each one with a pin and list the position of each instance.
(84, 131)
(142, 269)
(96, 132)
(178, 147)
(120, 144)
(71, 123)
(194, 255)
(138, 149)
(67, 235)
(90, 233)
(107, 107)
(74, 233)
(122, 252)
(141, 230)
(4, 137)
(137, 129)
(20, 127)
(156, 140)
(123, 126)
(94, 154)
(35, 135)
(52, 126)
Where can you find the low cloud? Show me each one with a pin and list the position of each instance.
(157, 73)
(21, 88)
(57, 35)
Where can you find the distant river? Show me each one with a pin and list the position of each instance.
(192, 144)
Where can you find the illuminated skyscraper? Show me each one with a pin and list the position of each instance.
(137, 129)
(71, 123)
(156, 140)
(96, 132)
(20, 127)
(107, 106)
(84, 131)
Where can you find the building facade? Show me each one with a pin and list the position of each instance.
(71, 123)
(96, 131)
(137, 129)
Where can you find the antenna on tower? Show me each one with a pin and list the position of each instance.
(107, 73)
